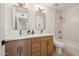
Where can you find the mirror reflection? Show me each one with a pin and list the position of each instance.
(20, 18)
(40, 22)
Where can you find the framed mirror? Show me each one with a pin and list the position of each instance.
(40, 23)
(20, 18)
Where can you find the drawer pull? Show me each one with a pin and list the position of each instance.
(19, 50)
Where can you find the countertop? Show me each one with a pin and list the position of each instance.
(19, 37)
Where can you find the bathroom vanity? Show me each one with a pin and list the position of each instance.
(32, 45)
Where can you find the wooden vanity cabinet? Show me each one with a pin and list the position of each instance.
(37, 46)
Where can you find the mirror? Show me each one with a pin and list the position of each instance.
(20, 18)
(40, 23)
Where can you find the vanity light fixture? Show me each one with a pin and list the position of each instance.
(22, 5)
(40, 8)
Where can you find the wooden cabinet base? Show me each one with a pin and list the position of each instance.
(39, 46)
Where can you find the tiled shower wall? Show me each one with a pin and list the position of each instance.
(71, 29)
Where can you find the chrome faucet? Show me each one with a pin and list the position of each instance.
(20, 32)
(41, 31)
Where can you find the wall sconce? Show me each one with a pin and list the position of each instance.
(40, 8)
(21, 4)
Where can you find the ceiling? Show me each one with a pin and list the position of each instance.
(60, 6)
(64, 6)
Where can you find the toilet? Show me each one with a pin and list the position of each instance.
(59, 45)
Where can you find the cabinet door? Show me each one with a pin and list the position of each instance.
(25, 47)
(49, 45)
(35, 46)
(10, 48)
(43, 47)
(18, 48)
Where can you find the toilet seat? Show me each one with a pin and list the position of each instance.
(59, 43)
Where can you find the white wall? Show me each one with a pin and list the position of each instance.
(71, 29)
(50, 19)
(1, 28)
(6, 21)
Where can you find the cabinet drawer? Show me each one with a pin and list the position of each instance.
(35, 40)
